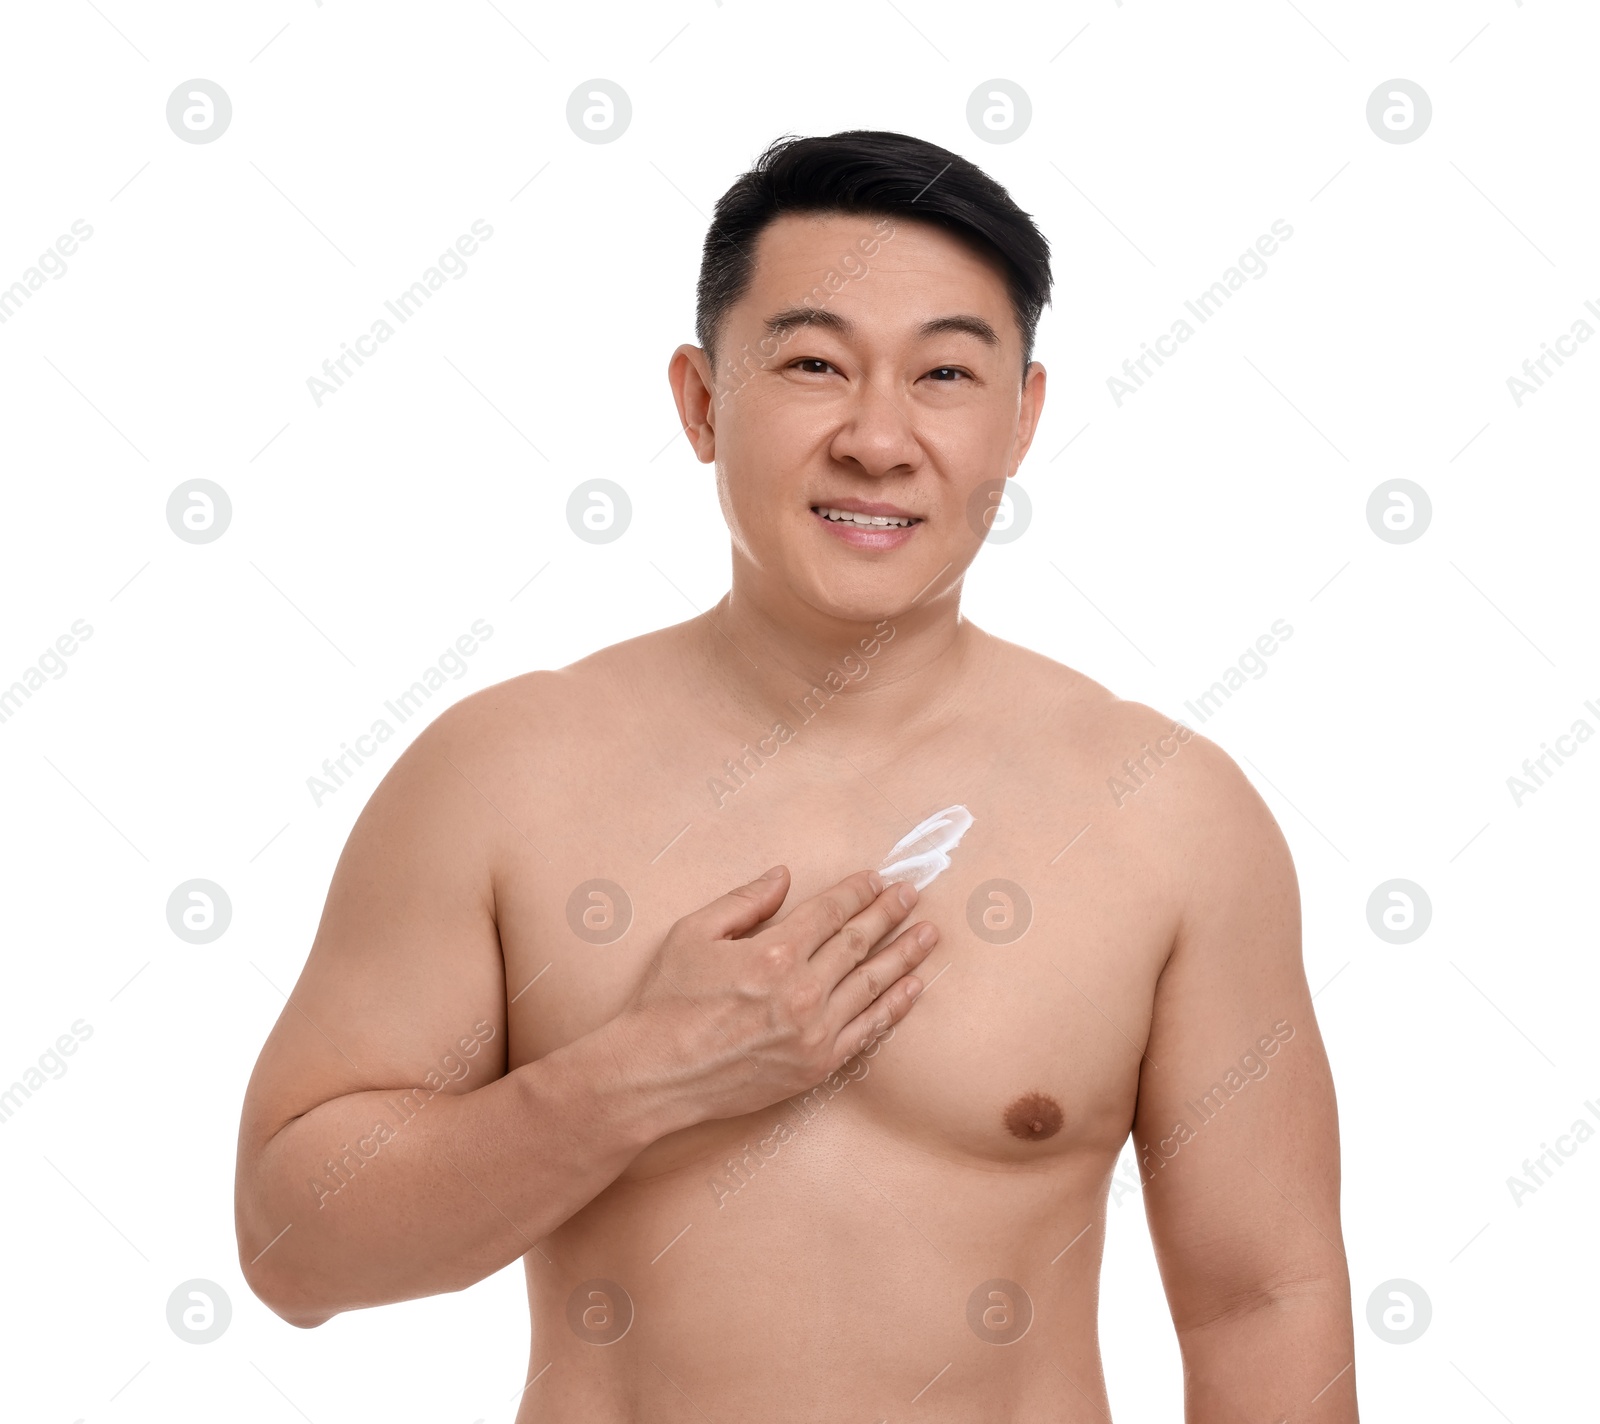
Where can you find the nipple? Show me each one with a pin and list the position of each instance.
(1034, 1117)
(924, 851)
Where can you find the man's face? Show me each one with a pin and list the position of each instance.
(873, 365)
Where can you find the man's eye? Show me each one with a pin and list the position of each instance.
(811, 361)
(945, 373)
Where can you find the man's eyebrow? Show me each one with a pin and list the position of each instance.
(793, 318)
(971, 325)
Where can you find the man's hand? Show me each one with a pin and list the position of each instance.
(746, 1022)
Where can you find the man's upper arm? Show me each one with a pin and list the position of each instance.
(1235, 1130)
(405, 984)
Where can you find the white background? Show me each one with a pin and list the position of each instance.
(1168, 533)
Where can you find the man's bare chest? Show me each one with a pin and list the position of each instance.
(1025, 1045)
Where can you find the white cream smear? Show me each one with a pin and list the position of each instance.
(924, 852)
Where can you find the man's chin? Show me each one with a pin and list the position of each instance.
(860, 600)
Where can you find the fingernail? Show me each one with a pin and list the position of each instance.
(875, 881)
(906, 895)
(926, 935)
(776, 873)
(913, 989)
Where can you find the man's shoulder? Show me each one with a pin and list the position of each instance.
(1134, 750)
(1069, 708)
(545, 709)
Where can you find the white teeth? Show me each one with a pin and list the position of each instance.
(845, 516)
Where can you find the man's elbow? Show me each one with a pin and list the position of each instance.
(298, 1313)
(300, 1320)
(284, 1297)
(269, 1270)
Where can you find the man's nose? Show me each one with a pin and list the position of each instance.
(876, 432)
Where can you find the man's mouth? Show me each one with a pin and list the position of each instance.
(868, 525)
(865, 521)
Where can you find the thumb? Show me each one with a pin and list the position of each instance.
(743, 908)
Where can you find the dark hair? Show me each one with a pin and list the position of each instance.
(878, 174)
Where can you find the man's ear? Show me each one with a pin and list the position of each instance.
(1028, 410)
(690, 378)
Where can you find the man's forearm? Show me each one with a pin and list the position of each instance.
(335, 1213)
(1289, 1355)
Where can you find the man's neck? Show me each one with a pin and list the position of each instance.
(879, 679)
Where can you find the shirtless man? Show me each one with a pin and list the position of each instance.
(556, 1011)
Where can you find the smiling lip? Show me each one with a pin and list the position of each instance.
(865, 536)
